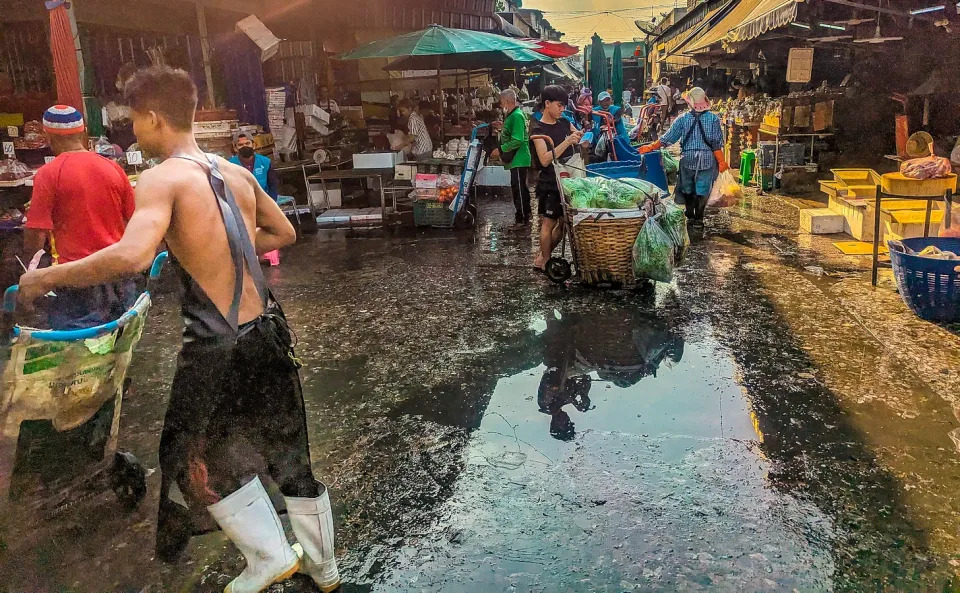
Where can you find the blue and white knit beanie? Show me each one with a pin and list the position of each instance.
(62, 120)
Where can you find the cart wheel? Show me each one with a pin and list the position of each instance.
(558, 270)
(465, 219)
(128, 480)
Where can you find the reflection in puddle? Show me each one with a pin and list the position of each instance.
(629, 373)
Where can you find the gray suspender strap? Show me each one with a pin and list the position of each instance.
(238, 240)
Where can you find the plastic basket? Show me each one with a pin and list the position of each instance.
(648, 167)
(930, 287)
(432, 213)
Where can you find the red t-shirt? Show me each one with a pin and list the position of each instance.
(84, 199)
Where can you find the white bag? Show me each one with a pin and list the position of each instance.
(726, 191)
(573, 167)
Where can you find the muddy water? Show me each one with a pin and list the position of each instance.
(483, 430)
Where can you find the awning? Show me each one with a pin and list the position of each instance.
(554, 49)
(717, 32)
(766, 16)
(678, 43)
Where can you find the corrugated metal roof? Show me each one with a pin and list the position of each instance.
(733, 19)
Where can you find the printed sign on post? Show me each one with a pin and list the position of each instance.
(8, 149)
(135, 158)
(800, 65)
(13, 131)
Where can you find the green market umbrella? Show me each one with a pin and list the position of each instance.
(469, 61)
(616, 74)
(436, 41)
(598, 67)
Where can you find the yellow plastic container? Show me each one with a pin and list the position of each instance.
(897, 184)
(859, 183)
(11, 119)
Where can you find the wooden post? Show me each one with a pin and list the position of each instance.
(205, 51)
(876, 237)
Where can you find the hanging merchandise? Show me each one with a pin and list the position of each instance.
(654, 253)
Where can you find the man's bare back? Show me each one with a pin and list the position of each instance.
(197, 236)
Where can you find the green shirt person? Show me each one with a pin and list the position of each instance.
(515, 152)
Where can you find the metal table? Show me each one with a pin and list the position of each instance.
(337, 175)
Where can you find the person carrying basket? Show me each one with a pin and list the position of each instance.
(701, 140)
(564, 136)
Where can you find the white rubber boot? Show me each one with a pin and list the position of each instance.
(248, 518)
(312, 522)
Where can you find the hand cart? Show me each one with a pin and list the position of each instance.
(462, 211)
(601, 240)
(60, 398)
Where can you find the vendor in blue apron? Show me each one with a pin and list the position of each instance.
(261, 166)
(701, 140)
(606, 104)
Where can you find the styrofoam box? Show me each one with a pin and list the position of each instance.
(377, 160)
(333, 199)
(820, 221)
(493, 176)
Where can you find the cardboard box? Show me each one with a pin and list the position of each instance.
(314, 111)
(404, 172)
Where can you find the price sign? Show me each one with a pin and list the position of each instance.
(135, 158)
(8, 149)
(48, 159)
(13, 131)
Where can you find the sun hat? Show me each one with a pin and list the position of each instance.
(602, 96)
(919, 145)
(62, 120)
(697, 99)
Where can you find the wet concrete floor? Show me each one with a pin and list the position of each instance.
(767, 422)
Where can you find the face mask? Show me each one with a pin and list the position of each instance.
(245, 152)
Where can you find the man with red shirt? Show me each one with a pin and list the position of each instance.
(81, 203)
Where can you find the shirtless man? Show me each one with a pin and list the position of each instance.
(236, 394)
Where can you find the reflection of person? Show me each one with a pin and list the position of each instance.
(261, 166)
(701, 139)
(236, 395)
(565, 137)
(81, 203)
(515, 153)
(418, 138)
(562, 382)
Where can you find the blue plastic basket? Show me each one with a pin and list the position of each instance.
(930, 287)
(648, 167)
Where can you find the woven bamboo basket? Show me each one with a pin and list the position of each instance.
(603, 248)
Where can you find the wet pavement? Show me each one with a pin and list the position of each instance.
(768, 422)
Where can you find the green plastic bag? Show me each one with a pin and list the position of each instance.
(654, 253)
(671, 164)
(673, 220)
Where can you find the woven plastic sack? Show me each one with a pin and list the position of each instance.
(654, 253)
(726, 191)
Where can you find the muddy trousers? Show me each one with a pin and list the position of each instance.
(521, 193)
(235, 412)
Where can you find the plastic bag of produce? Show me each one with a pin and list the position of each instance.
(673, 220)
(726, 191)
(654, 253)
(671, 161)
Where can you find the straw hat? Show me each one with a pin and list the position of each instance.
(919, 145)
(697, 99)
